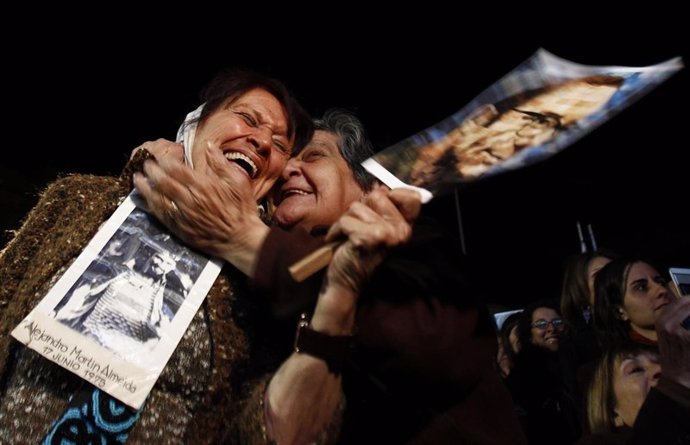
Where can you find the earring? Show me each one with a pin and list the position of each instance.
(618, 421)
(621, 314)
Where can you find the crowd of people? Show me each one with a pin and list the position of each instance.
(610, 365)
(394, 341)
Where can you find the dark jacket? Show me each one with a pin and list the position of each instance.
(663, 419)
(422, 371)
(548, 411)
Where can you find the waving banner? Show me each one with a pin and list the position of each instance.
(532, 113)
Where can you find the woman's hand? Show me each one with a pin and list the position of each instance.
(674, 341)
(209, 210)
(383, 220)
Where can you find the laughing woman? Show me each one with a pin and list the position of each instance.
(248, 119)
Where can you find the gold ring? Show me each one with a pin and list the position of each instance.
(172, 211)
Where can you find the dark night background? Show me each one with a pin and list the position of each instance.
(79, 99)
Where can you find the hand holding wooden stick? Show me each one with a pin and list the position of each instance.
(398, 208)
(313, 262)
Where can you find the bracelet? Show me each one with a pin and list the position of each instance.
(332, 349)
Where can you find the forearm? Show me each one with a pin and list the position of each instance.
(304, 395)
(663, 416)
(302, 400)
(674, 390)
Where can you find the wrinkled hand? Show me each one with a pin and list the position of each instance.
(674, 341)
(372, 227)
(210, 209)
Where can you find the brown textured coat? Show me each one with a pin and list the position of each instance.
(192, 401)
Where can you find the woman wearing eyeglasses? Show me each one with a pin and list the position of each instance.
(546, 328)
(546, 407)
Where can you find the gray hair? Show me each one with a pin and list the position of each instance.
(354, 144)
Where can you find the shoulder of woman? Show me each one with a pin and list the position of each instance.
(91, 191)
(74, 183)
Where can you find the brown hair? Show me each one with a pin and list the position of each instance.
(575, 288)
(232, 83)
(601, 399)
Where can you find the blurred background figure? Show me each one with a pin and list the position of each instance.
(639, 395)
(582, 349)
(621, 381)
(546, 407)
(508, 344)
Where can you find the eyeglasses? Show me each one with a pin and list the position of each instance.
(542, 324)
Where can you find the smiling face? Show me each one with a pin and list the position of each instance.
(251, 131)
(633, 377)
(646, 293)
(317, 186)
(549, 336)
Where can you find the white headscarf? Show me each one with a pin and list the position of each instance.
(185, 136)
(186, 133)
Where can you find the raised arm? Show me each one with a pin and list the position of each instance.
(664, 415)
(304, 395)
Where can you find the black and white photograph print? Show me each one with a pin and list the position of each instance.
(117, 313)
(132, 290)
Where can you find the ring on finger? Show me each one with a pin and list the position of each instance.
(173, 211)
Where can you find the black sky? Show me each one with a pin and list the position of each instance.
(80, 100)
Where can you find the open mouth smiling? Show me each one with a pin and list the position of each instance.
(243, 161)
(284, 194)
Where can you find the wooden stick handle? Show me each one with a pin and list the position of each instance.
(313, 262)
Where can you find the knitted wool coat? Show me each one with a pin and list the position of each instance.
(193, 401)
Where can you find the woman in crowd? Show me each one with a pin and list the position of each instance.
(641, 396)
(547, 408)
(581, 349)
(577, 296)
(621, 381)
(629, 293)
(508, 344)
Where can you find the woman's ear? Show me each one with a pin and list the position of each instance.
(621, 314)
